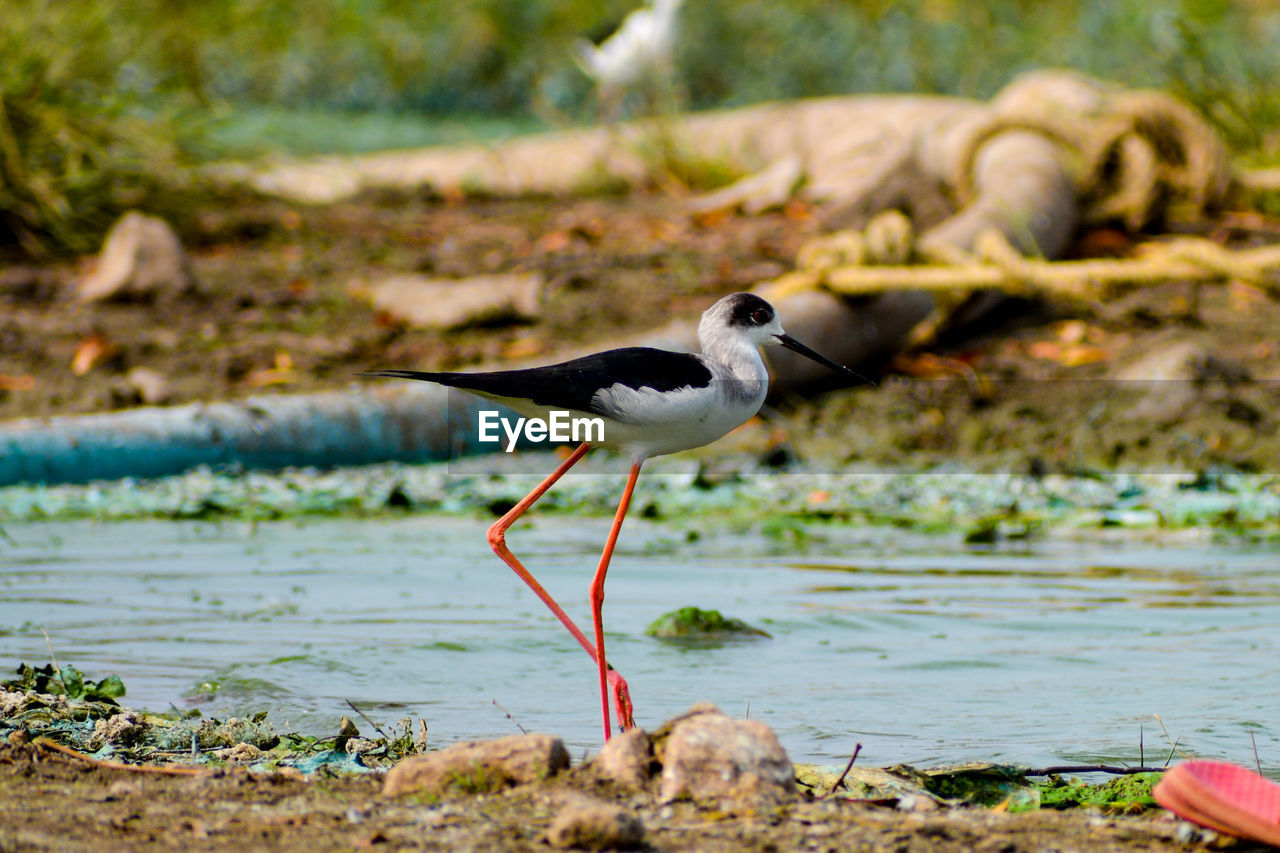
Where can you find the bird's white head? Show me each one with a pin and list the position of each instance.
(744, 319)
(740, 318)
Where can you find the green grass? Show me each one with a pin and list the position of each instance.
(105, 101)
(247, 131)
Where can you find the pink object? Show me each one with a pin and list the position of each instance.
(1225, 797)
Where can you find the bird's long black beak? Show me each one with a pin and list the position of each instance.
(795, 346)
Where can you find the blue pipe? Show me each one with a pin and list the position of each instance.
(406, 422)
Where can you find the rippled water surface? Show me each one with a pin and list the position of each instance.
(923, 650)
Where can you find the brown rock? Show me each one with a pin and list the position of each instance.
(151, 387)
(596, 825)
(480, 766)
(123, 788)
(435, 303)
(1175, 360)
(242, 753)
(1157, 386)
(360, 745)
(141, 257)
(710, 755)
(118, 729)
(627, 759)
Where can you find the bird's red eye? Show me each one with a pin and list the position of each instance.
(759, 316)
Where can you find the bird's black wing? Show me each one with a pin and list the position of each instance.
(573, 384)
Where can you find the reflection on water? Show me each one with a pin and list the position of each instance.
(923, 650)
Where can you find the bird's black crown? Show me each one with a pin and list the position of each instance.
(747, 309)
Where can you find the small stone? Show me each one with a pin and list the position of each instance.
(435, 303)
(151, 386)
(627, 759)
(709, 755)
(596, 825)
(120, 729)
(210, 734)
(142, 257)
(241, 753)
(360, 745)
(18, 737)
(122, 788)
(1159, 383)
(478, 767)
(916, 803)
(1175, 361)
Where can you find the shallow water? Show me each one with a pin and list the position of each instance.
(921, 649)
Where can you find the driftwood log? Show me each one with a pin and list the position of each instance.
(1053, 150)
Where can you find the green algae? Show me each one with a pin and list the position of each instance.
(788, 507)
(695, 624)
(78, 715)
(1124, 793)
(986, 785)
(65, 681)
(983, 785)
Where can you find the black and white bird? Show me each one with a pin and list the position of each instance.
(652, 402)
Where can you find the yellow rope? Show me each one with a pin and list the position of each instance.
(997, 264)
(1139, 155)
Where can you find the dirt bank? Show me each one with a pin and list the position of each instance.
(51, 802)
(275, 310)
(276, 314)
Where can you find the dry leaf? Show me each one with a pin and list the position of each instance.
(1072, 331)
(554, 241)
(712, 218)
(1077, 356)
(90, 351)
(1105, 243)
(926, 365)
(282, 374)
(1245, 297)
(797, 210)
(523, 348)
(17, 383)
(1047, 350)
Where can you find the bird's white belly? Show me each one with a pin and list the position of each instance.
(644, 422)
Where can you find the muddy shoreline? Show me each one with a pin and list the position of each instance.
(1171, 377)
(61, 804)
(288, 794)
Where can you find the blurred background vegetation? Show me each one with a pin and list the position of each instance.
(102, 102)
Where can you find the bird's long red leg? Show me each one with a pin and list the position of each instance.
(621, 696)
(497, 540)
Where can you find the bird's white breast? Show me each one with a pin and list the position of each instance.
(644, 422)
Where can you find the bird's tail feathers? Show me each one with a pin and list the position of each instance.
(477, 382)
